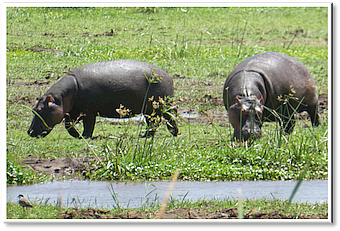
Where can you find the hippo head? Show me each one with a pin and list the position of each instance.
(48, 112)
(245, 116)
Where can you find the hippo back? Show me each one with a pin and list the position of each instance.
(119, 82)
(281, 73)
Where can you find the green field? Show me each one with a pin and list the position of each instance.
(198, 47)
(44, 211)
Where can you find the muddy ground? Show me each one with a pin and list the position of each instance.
(180, 213)
(73, 167)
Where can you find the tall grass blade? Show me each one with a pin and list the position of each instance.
(114, 196)
(298, 184)
(168, 194)
(240, 205)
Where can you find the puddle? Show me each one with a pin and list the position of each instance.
(77, 193)
(188, 114)
(135, 118)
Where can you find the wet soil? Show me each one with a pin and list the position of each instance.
(181, 213)
(67, 166)
(323, 103)
(38, 48)
(106, 33)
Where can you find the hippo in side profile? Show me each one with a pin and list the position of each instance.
(268, 81)
(100, 89)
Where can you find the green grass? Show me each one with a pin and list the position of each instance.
(202, 154)
(43, 211)
(15, 211)
(199, 47)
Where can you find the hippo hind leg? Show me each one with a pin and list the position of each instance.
(171, 124)
(313, 114)
(88, 121)
(154, 121)
(150, 128)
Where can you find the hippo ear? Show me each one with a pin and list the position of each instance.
(238, 98)
(49, 99)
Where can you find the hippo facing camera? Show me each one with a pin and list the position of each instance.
(253, 93)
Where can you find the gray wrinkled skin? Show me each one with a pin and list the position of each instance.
(99, 89)
(258, 82)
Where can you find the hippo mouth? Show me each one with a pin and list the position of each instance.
(246, 133)
(38, 129)
(254, 133)
(251, 129)
(36, 134)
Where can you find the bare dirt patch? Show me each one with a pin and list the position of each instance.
(323, 103)
(106, 33)
(181, 213)
(205, 117)
(67, 166)
(37, 48)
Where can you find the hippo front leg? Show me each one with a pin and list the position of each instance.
(288, 125)
(89, 121)
(69, 125)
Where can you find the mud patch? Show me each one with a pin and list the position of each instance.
(67, 166)
(32, 83)
(181, 213)
(36, 48)
(106, 33)
(323, 103)
(205, 117)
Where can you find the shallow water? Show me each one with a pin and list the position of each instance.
(76, 193)
(184, 114)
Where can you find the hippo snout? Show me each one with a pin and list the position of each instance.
(38, 129)
(249, 129)
(247, 132)
(34, 133)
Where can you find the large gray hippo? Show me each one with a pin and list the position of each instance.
(100, 89)
(268, 81)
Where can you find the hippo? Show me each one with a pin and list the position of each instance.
(102, 89)
(266, 82)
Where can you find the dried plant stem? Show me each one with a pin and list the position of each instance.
(167, 196)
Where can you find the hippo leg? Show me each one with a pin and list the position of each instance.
(287, 116)
(288, 125)
(88, 121)
(150, 128)
(69, 125)
(171, 124)
(313, 114)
